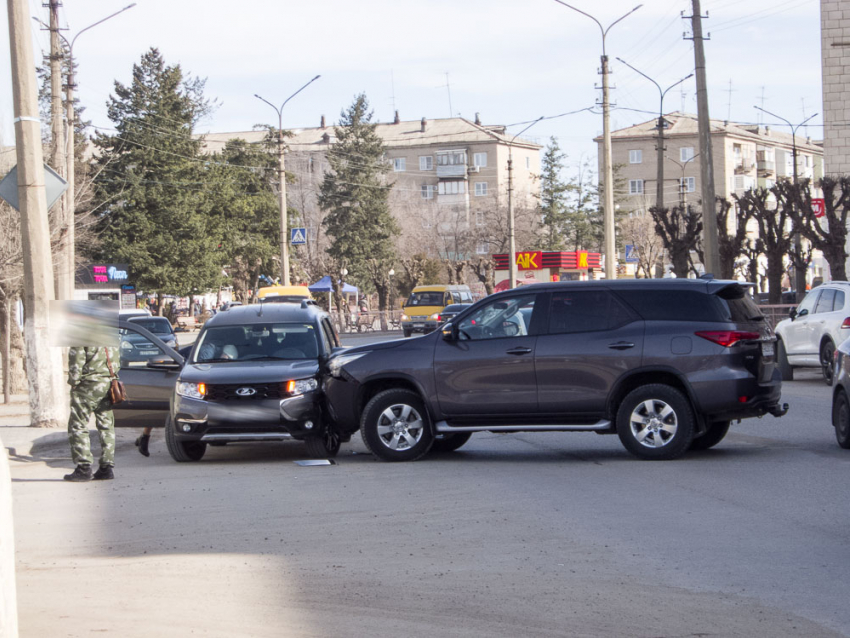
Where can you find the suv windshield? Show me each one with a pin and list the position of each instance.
(156, 325)
(257, 341)
(425, 299)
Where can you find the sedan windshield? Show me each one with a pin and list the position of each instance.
(261, 341)
(156, 325)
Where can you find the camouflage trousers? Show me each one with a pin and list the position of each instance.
(87, 398)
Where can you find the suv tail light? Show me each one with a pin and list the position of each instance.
(727, 338)
(846, 323)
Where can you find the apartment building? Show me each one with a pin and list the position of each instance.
(835, 53)
(745, 156)
(447, 173)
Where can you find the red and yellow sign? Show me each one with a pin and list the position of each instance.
(582, 258)
(530, 260)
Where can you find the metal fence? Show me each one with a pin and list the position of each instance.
(775, 314)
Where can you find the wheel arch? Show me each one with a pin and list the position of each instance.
(645, 376)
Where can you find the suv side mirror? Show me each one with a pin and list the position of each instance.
(792, 313)
(803, 312)
(164, 364)
(449, 332)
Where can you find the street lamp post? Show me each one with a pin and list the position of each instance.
(799, 272)
(69, 266)
(511, 230)
(683, 166)
(281, 172)
(659, 187)
(608, 167)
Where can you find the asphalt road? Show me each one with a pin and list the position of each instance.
(513, 535)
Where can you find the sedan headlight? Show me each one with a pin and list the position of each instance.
(126, 345)
(336, 364)
(404, 317)
(300, 386)
(191, 390)
(435, 317)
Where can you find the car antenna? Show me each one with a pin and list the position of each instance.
(260, 313)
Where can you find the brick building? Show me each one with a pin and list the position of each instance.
(835, 52)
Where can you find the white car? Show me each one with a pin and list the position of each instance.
(820, 323)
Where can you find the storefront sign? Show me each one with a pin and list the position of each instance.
(103, 275)
(530, 260)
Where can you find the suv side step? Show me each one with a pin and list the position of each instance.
(259, 436)
(444, 428)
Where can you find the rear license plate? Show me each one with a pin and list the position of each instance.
(418, 325)
(767, 348)
(148, 352)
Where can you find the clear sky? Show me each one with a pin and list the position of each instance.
(510, 60)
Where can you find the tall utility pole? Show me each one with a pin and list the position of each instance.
(799, 268)
(64, 282)
(44, 364)
(659, 187)
(709, 212)
(68, 258)
(608, 167)
(281, 174)
(511, 229)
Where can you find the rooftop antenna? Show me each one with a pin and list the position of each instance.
(730, 90)
(762, 100)
(392, 84)
(449, 89)
(683, 94)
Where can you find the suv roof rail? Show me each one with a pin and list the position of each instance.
(708, 275)
(308, 302)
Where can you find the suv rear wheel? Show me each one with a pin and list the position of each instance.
(450, 442)
(826, 352)
(395, 426)
(655, 422)
(714, 435)
(182, 451)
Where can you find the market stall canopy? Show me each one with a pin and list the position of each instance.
(325, 285)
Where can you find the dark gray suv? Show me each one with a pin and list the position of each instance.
(666, 364)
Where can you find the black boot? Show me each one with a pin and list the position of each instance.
(81, 473)
(142, 443)
(104, 474)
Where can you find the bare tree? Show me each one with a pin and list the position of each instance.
(680, 230)
(639, 230)
(774, 233)
(731, 246)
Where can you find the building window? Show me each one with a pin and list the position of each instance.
(426, 163)
(428, 191)
(452, 187)
(451, 158)
(636, 156)
(399, 164)
(479, 159)
(482, 248)
(688, 185)
(528, 162)
(480, 189)
(479, 217)
(635, 187)
(686, 153)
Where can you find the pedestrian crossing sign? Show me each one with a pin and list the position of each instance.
(298, 237)
(631, 254)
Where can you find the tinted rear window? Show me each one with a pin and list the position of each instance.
(678, 305)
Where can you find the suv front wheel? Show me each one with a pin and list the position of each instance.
(326, 445)
(182, 451)
(395, 426)
(655, 422)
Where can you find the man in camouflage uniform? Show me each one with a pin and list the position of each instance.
(89, 377)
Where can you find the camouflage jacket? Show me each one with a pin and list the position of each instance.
(89, 364)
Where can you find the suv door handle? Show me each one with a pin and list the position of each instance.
(621, 345)
(518, 351)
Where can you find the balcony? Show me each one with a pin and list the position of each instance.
(766, 167)
(744, 166)
(451, 170)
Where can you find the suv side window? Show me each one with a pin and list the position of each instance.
(585, 311)
(328, 335)
(505, 317)
(808, 303)
(675, 305)
(825, 301)
(839, 300)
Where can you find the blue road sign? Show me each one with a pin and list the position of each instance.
(631, 254)
(298, 236)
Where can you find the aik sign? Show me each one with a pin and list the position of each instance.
(532, 260)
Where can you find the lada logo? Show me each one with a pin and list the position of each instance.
(246, 392)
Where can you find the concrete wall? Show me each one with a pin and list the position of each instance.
(8, 596)
(835, 51)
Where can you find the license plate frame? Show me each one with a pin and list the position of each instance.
(768, 349)
(148, 353)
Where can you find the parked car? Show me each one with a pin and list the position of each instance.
(128, 313)
(252, 375)
(665, 364)
(450, 312)
(808, 338)
(423, 307)
(841, 396)
(134, 347)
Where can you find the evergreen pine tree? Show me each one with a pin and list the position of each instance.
(553, 198)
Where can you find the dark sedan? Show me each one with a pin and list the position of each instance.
(136, 348)
(451, 311)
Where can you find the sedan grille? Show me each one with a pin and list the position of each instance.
(243, 391)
